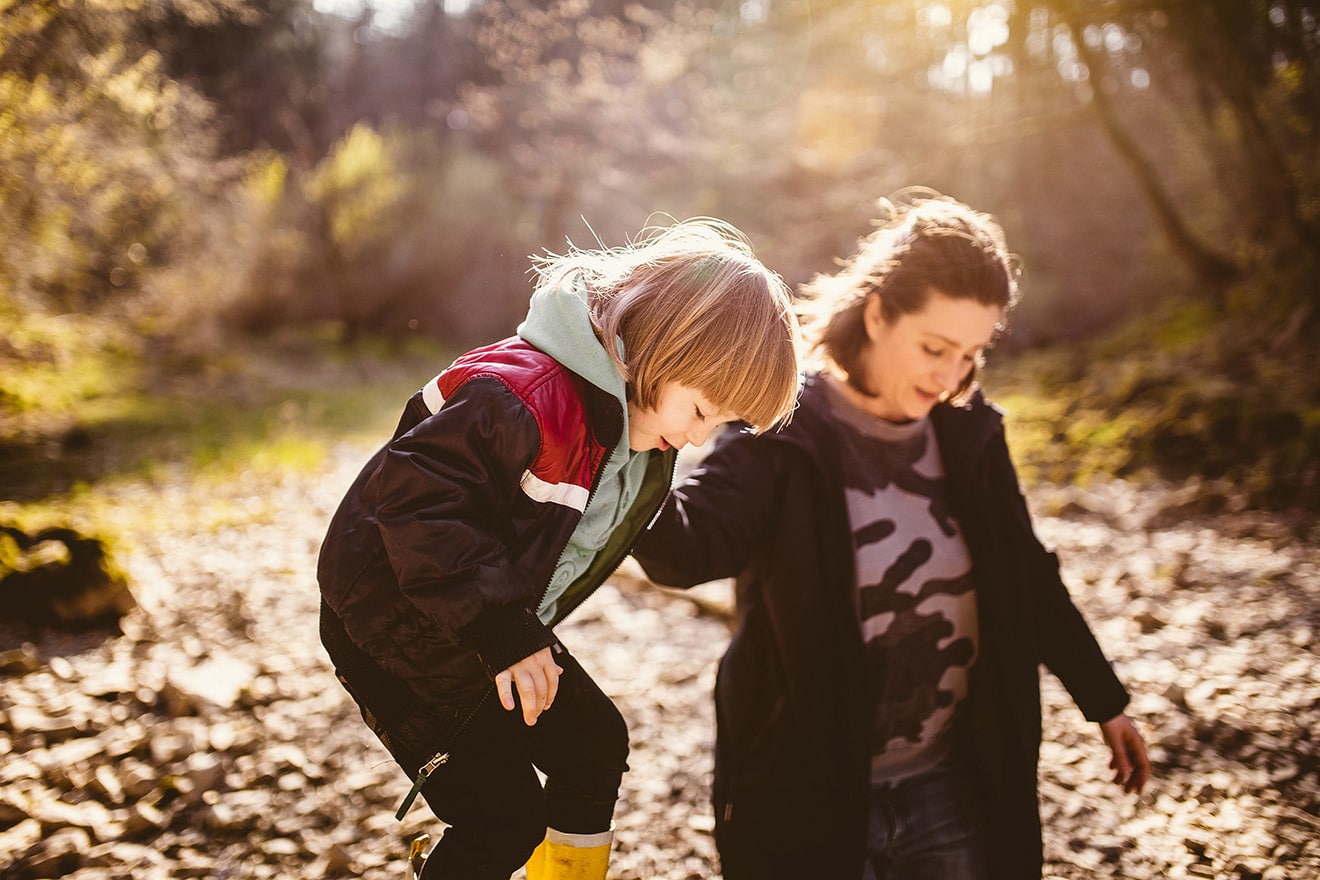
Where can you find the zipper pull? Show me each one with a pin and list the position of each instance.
(422, 775)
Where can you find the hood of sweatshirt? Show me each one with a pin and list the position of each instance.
(559, 324)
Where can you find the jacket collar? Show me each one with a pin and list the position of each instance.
(606, 413)
(963, 431)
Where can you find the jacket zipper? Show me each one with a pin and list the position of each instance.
(439, 758)
(618, 561)
(591, 493)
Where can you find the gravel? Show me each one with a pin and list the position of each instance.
(210, 739)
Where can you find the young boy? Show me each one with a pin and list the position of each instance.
(515, 483)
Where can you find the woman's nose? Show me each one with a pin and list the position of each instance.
(950, 375)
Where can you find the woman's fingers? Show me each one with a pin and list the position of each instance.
(1130, 761)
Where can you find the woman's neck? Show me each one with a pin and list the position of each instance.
(860, 397)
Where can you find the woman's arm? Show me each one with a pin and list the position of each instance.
(714, 520)
(1064, 641)
(1070, 650)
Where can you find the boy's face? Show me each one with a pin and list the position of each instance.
(680, 417)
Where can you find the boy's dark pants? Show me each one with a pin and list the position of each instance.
(488, 791)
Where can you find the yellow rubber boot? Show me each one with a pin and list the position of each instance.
(564, 856)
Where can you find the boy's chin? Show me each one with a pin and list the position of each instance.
(646, 444)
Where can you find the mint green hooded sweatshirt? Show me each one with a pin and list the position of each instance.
(559, 324)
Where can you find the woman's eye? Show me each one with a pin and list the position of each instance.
(933, 352)
(701, 415)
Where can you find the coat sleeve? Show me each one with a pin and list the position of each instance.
(444, 499)
(717, 517)
(1066, 645)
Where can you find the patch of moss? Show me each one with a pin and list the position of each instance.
(1230, 403)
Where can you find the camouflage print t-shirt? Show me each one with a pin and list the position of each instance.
(915, 600)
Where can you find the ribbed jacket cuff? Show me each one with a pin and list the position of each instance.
(1113, 701)
(503, 637)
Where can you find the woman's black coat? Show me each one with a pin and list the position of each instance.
(792, 763)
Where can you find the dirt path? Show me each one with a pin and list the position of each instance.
(211, 740)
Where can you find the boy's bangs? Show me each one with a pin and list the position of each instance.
(751, 363)
(760, 386)
(696, 307)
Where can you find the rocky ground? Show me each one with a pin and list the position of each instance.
(210, 739)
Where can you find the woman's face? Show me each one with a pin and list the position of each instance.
(922, 357)
(681, 416)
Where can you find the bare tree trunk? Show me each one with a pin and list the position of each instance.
(1212, 270)
(1272, 171)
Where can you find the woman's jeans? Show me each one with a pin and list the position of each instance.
(926, 828)
(489, 793)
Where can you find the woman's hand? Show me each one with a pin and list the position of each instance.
(1130, 763)
(537, 680)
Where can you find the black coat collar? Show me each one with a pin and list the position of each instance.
(963, 431)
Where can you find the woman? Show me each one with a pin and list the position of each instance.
(879, 706)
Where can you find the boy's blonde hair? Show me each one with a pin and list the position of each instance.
(692, 304)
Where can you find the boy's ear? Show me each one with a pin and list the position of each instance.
(873, 315)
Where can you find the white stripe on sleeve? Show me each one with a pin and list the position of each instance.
(432, 397)
(567, 494)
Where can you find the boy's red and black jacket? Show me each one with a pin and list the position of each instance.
(444, 543)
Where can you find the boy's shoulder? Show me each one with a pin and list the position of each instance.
(552, 392)
(511, 360)
(556, 398)
(525, 370)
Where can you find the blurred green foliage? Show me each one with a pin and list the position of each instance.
(84, 403)
(1228, 406)
(88, 185)
(357, 187)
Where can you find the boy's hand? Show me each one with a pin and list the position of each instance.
(1130, 763)
(537, 680)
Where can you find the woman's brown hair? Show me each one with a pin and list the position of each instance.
(925, 243)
